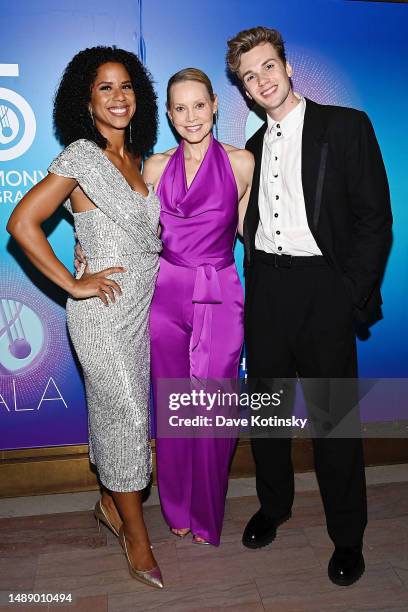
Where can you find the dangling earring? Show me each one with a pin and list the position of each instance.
(130, 133)
(92, 117)
(216, 123)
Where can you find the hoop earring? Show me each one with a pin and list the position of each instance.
(130, 133)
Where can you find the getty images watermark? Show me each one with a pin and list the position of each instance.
(229, 403)
(307, 407)
(222, 408)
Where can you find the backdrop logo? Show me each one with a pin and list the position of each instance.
(17, 120)
(21, 336)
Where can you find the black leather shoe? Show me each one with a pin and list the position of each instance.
(346, 565)
(261, 530)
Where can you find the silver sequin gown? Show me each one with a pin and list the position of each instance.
(112, 343)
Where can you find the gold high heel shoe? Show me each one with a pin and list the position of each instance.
(151, 577)
(101, 516)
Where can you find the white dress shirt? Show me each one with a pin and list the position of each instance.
(283, 227)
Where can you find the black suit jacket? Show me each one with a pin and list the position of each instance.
(346, 197)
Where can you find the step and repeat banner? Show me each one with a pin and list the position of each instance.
(343, 52)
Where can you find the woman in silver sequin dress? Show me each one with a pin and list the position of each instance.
(105, 113)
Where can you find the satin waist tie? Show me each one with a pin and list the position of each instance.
(207, 291)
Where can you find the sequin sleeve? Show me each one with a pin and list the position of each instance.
(69, 164)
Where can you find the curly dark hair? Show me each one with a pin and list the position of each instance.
(71, 116)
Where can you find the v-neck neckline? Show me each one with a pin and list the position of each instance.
(183, 161)
(148, 185)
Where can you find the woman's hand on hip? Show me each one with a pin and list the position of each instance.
(98, 285)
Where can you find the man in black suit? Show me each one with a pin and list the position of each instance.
(317, 233)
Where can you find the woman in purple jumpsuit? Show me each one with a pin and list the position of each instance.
(196, 321)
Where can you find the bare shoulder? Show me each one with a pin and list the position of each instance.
(241, 159)
(155, 165)
(241, 155)
(159, 159)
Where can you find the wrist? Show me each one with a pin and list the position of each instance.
(71, 285)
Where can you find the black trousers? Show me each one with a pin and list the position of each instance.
(298, 322)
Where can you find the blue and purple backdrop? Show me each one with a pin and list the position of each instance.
(345, 52)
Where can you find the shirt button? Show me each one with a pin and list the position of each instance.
(278, 232)
(276, 215)
(279, 133)
(279, 248)
(278, 125)
(276, 159)
(277, 197)
(275, 176)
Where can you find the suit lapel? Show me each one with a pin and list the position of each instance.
(251, 220)
(314, 158)
(257, 151)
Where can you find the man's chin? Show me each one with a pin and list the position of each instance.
(269, 103)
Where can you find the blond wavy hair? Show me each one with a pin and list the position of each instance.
(246, 40)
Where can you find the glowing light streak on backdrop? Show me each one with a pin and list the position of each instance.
(142, 45)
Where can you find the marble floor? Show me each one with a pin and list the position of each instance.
(51, 544)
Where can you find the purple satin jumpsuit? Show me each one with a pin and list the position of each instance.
(196, 327)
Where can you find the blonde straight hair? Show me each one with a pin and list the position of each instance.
(190, 74)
